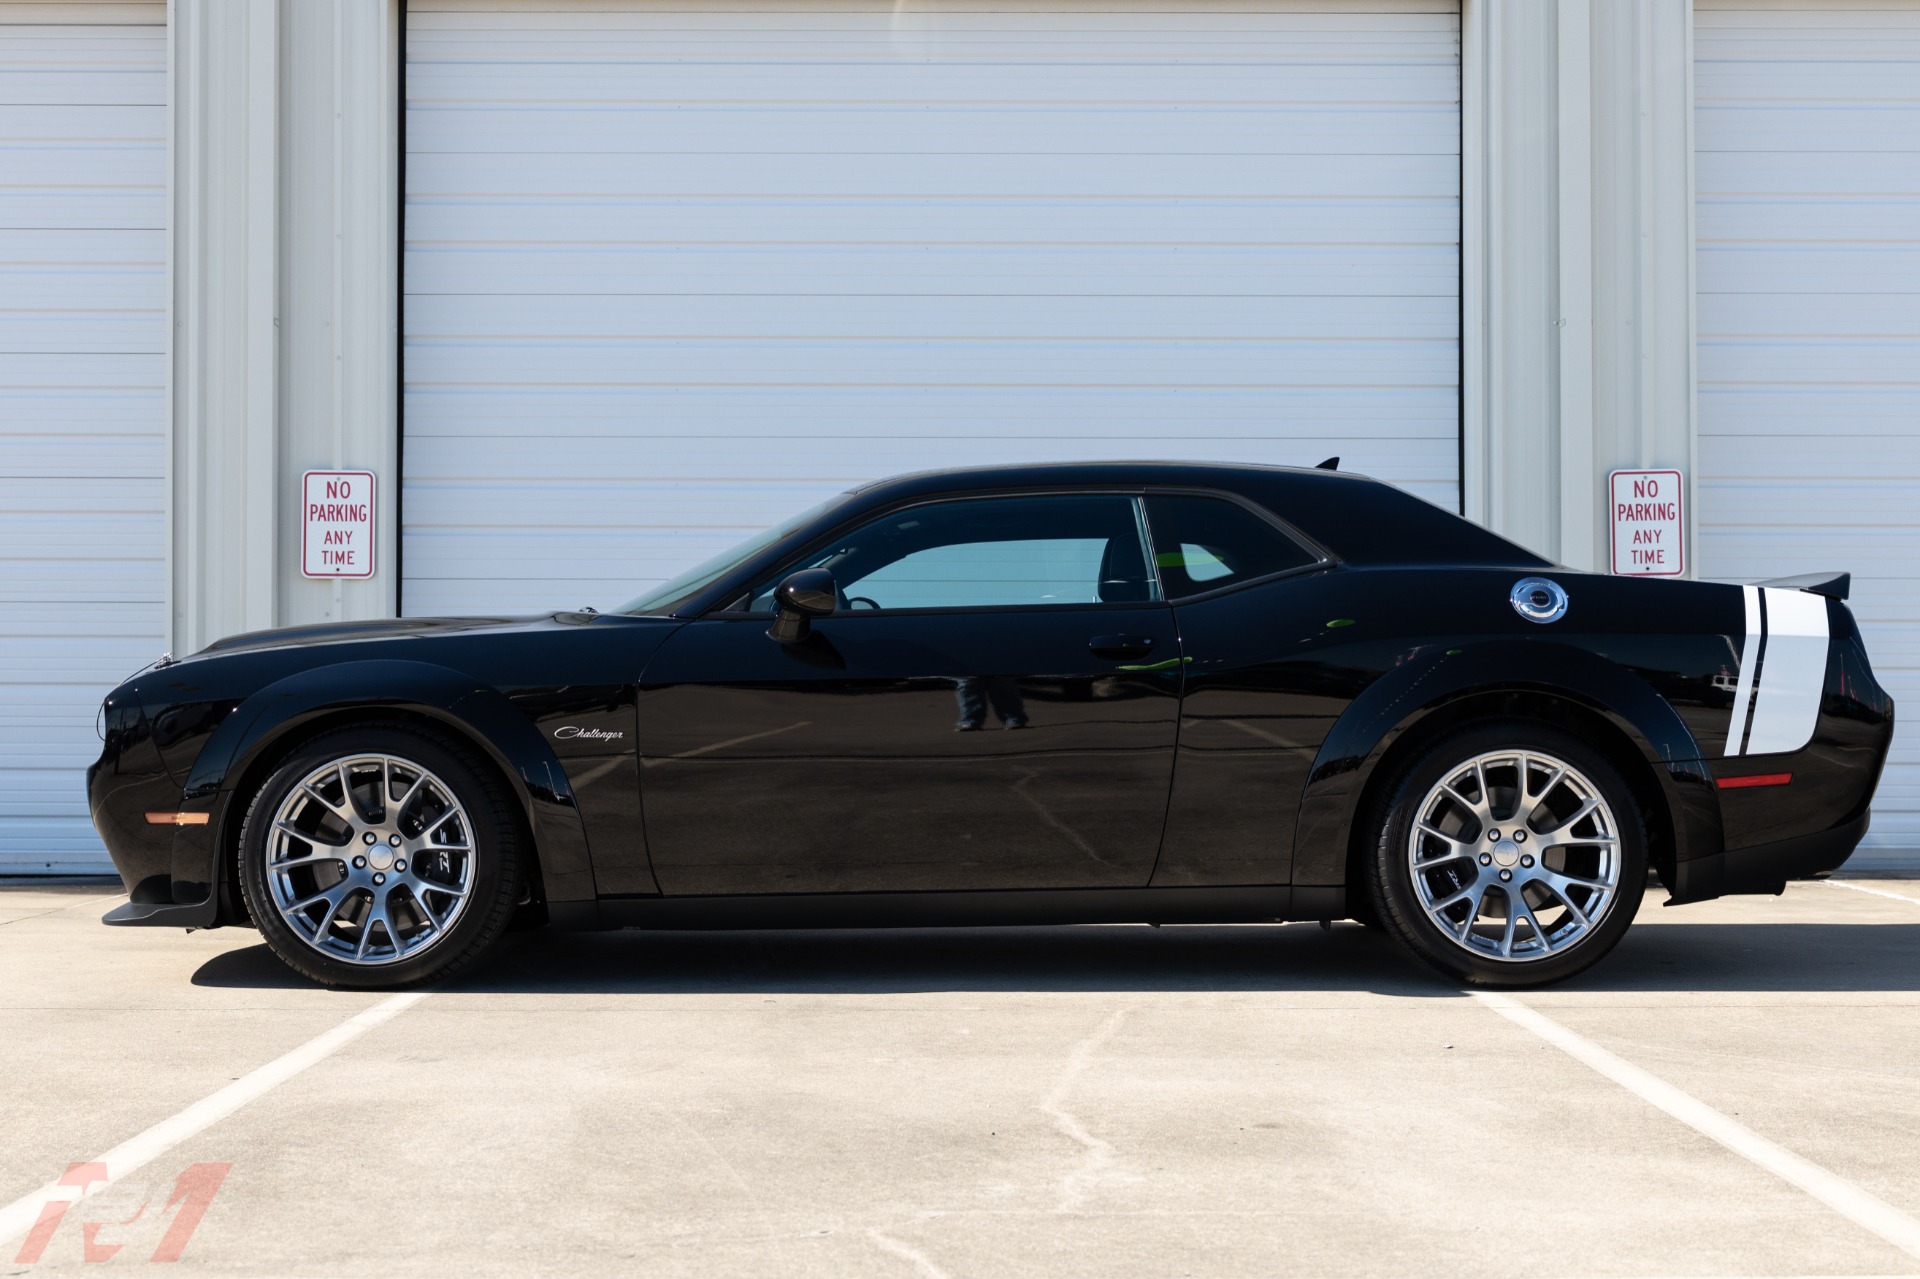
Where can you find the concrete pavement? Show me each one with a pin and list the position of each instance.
(1076, 1101)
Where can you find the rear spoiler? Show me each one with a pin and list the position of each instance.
(1832, 585)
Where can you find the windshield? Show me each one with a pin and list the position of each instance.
(665, 597)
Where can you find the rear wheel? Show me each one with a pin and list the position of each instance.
(1509, 854)
(380, 856)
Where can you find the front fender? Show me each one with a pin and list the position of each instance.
(250, 735)
(1400, 699)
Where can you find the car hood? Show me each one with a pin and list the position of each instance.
(388, 628)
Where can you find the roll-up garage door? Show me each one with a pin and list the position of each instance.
(674, 271)
(1807, 126)
(83, 156)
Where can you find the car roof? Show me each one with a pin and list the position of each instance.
(1363, 521)
(1204, 474)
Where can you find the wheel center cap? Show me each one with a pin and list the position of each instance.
(380, 857)
(1506, 854)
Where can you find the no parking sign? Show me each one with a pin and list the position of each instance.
(336, 524)
(1645, 512)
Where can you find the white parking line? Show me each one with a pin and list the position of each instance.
(1877, 892)
(55, 910)
(18, 1217)
(1850, 1201)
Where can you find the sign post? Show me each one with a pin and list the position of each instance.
(336, 524)
(1644, 511)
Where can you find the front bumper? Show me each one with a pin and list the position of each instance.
(161, 915)
(166, 868)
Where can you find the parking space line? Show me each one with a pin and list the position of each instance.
(1850, 1201)
(19, 1216)
(55, 910)
(1877, 892)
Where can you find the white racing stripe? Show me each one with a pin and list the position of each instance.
(1783, 671)
(1786, 704)
(1749, 659)
(1850, 1201)
(129, 1156)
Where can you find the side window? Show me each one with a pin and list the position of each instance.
(1202, 543)
(986, 553)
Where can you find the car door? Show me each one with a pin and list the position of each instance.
(1251, 598)
(993, 705)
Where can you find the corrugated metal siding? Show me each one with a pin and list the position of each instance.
(83, 126)
(674, 272)
(1808, 177)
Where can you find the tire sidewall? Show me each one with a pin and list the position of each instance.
(496, 877)
(1397, 901)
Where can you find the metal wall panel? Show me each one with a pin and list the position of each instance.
(674, 272)
(1808, 177)
(83, 128)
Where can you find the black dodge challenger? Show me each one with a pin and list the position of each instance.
(1163, 693)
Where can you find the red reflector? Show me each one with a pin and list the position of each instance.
(179, 819)
(1758, 779)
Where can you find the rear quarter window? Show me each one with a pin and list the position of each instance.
(1203, 543)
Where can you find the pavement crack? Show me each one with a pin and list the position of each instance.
(1098, 1157)
(753, 1197)
(920, 1261)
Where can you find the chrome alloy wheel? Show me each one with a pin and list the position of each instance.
(370, 859)
(1515, 855)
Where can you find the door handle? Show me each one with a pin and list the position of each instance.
(1119, 646)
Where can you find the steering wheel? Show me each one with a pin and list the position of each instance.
(857, 601)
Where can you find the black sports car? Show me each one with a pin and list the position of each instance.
(1163, 693)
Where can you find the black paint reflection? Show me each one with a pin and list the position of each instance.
(589, 728)
(975, 693)
(768, 770)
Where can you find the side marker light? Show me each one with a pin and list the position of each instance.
(1757, 779)
(178, 819)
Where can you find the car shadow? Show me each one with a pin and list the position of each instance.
(1784, 957)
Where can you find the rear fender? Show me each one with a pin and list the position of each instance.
(259, 726)
(1401, 699)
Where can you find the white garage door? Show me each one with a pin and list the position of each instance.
(83, 156)
(1808, 178)
(674, 271)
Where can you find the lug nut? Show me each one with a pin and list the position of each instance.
(401, 864)
(394, 840)
(1494, 835)
(370, 837)
(1526, 861)
(1519, 837)
(1505, 874)
(1486, 859)
(359, 863)
(379, 879)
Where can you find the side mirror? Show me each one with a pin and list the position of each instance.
(805, 595)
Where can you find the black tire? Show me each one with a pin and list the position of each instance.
(1389, 872)
(494, 833)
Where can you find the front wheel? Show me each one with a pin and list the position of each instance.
(381, 855)
(1509, 854)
